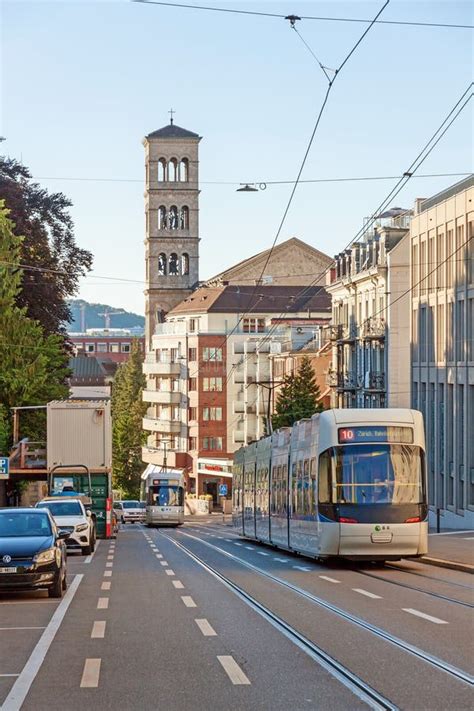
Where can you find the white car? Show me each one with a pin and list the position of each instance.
(70, 515)
(130, 511)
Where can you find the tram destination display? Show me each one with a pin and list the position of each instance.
(374, 433)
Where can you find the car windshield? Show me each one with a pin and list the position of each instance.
(371, 474)
(131, 505)
(166, 495)
(23, 524)
(62, 508)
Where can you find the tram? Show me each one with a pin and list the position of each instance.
(163, 493)
(347, 482)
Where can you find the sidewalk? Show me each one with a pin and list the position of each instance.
(451, 549)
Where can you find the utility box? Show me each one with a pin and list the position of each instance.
(79, 432)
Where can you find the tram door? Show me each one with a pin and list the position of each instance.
(249, 499)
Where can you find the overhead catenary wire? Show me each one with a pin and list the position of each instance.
(320, 18)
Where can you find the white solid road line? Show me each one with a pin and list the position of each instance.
(89, 557)
(5, 675)
(102, 603)
(188, 601)
(91, 673)
(436, 620)
(169, 571)
(178, 584)
(206, 628)
(98, 629)
(22, 628)
(22, 685)
(367, 593)
(468, 538)
(449, 533)
(105, 586)
(233, 671)
(330, 580)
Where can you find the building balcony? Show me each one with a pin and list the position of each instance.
(374, 381)
(239, 406)
(341, 333)
(341, 381)
(156, 455)
(157, 425)
(239, 436)
(164, 397)
(153, 366)
(374, 328)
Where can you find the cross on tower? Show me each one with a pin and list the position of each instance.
(171, 112)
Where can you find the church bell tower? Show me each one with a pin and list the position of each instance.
(172, 220)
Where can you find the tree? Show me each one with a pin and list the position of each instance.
(128, 437)
(298, 396)
(48, 243)
(33, 366)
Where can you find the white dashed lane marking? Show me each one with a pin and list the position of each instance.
(105, 586)
(98, 630)
(281, 560)
(301, 567)
(236, 543)
(169, 571)
(233, 671)
(107, 573)
(178, 584)
(262, 553)
(330, 580)
(367, 593)
(158, 555)
(163, 562)
(91, 674)
(188, 601)
(102, 603)
(206, 628)
(109, 565)
(250, 548)
(424, 616)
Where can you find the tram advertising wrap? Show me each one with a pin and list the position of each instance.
(349, 483)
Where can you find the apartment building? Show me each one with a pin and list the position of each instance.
(442, 336)
(109, 344)
(205, 373)
(370, 327)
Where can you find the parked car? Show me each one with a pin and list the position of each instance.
(71, 515)
(117, 507)
(132, 511)
(32, 552)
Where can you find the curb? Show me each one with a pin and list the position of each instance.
(451, 564)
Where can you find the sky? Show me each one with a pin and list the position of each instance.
(83, 82)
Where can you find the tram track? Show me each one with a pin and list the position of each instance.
(426, 657)
(354, 683)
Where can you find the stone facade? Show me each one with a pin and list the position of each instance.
(172, 221)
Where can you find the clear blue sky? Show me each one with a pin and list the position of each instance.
(83, 82)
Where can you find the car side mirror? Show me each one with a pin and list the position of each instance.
(88, 513)
(62, 535)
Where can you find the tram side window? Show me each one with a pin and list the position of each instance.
(284, 489)
(306, 490)
(324, 489)
(312, 486)
(273, 492)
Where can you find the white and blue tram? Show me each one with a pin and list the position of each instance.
(163, 492)
(347, 482)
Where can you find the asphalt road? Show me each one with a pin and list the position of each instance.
(196, 618)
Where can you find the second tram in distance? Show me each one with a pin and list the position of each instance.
(163, 492)
(347, 482)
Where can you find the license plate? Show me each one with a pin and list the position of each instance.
(8, 570)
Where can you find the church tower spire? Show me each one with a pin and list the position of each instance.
(172, 220)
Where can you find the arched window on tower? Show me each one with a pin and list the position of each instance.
(173, 266)
(184, 264)
(184, 218)
(161, 170)
(184, 170)
(162, 217)
(173, 218)
(173, 170)
(162, 264)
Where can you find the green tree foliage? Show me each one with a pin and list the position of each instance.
(128, 437)
(297, 397)
(48, 243)
(33, 366)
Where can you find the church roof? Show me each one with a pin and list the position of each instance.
(172, 131)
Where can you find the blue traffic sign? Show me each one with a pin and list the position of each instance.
(222, 489)
(4, 468)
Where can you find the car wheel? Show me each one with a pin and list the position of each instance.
(56, 589)
(64, 582)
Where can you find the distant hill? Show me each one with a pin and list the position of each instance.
(84, 312)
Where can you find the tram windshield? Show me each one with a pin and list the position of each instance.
(371, 474)
(166, 496)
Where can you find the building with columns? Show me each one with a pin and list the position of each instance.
(172, 220)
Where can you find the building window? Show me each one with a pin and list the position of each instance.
(184, 170)
(102, 348)
(253, 325)
(192, 443)
(193, 325)
(192, 384)
(125, 347)
(184, 218)
(162, 264)
(192, 413)
(161, 170)
(162, 225)
(89, 347)
(213, 414)
(192, 353)
(214, 354)
(212, 443)
(173, 269)
(114, 348)
(173, 170)
(212, 385)
(185, 264)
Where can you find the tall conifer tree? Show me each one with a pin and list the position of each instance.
(297, 397)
